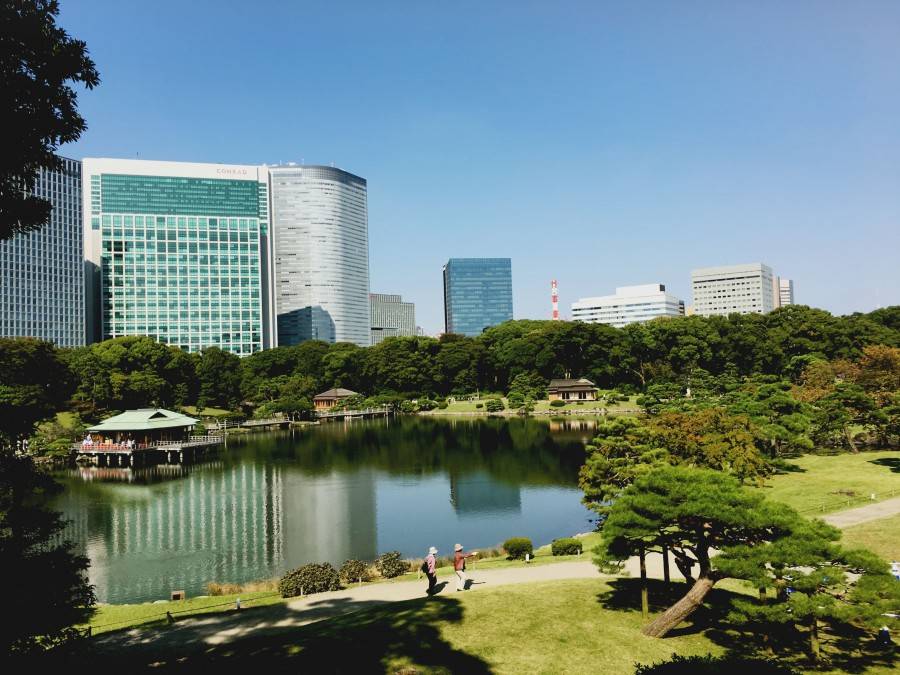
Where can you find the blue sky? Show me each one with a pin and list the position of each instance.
(597, 143)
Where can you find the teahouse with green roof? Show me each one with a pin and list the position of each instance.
(145, 427)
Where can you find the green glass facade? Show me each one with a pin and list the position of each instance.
(181, 259)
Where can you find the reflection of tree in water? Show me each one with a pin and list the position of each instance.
(520, 451)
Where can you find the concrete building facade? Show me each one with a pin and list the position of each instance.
(733, 289)
(391, 317)
(785, 292)
(42, 272)
(320, 218)
(629, 304)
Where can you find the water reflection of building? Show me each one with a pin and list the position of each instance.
(476, 493)
(573, 425)
(329, 517)
(146, 541)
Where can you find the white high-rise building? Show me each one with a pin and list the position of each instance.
(42, 272)
(734, 289)
(786, 292)
(320, 219)
(391, 317)
(630, 304)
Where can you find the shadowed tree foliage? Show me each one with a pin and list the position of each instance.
(34, 384)
(47, 588)
(39, 62)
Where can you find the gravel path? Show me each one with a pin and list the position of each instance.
(863, 514)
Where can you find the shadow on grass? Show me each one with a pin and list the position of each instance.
(893, 463)
(844, 647)
(365, 637)
(783, 467)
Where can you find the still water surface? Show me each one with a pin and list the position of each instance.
(272, 502)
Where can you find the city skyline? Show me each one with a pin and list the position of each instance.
(781, 148)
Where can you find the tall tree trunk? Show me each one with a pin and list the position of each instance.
(849, 435)
(681, 610)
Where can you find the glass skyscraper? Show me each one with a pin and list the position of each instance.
(320, 222)
(477, 294)
(42, 272)
(180, 252)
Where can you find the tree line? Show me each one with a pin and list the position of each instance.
(136, 371)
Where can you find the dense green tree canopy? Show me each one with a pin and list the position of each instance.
(39, 62)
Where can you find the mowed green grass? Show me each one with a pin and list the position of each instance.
(206, 412)
(118, 617)
(548, 627)
(822, 482)
(879, 536)
(540, 406)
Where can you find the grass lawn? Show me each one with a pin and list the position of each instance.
(540, 406)
(117, 617)
(206, 412)
(573, 626)
(880, 536)
(830, 480)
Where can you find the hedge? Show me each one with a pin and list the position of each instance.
(353, 571)
(557, 403)
(391, 565)
(312, 578)
(566, 546)
(517, 547)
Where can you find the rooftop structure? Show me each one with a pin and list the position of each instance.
(629, 304)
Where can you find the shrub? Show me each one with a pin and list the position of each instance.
(494, 405)
(516, 400)
(479, 406)
(566, 546)
(517, 547)
(391, 565)
(443, 405)
(312, 578)
(426, 404)
(354, 570)
(557, 403)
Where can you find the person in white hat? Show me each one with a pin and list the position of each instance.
(429, 568)
(459, 564)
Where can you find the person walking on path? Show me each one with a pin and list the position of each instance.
(459, 564)
(430, 572)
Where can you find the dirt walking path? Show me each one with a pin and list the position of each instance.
(863, 514)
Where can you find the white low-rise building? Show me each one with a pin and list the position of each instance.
(630, 304)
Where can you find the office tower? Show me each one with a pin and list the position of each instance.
(786, 292)
(740, 289)
(630, 304)
(180, 252)
(477, 294)
(391, 317)
(42, 272)
(320, 221)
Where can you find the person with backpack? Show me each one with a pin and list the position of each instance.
(459, 565)
(428, 567)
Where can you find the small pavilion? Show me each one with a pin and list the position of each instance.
(328, 399)
(145, 427)
(581, 389)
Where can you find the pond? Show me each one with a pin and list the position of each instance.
(273, 501)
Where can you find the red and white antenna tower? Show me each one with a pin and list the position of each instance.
(554, 298)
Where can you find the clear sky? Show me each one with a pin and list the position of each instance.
(598, 143)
